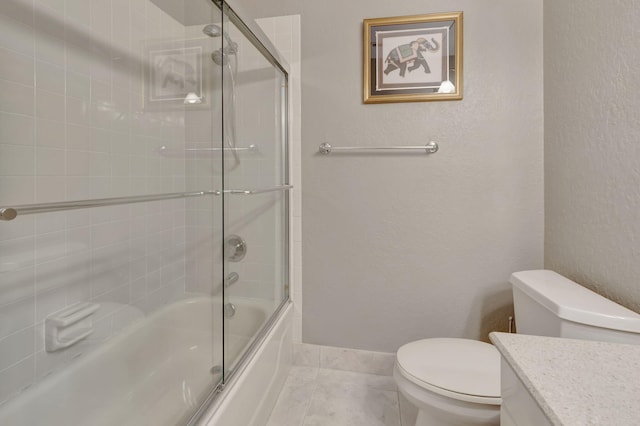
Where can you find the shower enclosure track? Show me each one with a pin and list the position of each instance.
(10, 213)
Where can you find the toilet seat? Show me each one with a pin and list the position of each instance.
(466, 370)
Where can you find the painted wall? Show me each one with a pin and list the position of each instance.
(401, 247)
(592, 156)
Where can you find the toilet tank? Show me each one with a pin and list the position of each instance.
(548, 304)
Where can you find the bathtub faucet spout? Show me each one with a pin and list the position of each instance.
(231, 279)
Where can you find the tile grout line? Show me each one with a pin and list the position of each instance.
(315, 387)
(399, 409)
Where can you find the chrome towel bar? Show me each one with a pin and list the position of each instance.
(430, 148)
(10, 213)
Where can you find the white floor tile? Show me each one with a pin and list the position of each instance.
(294, 400)
(325, 397)
(339, 377)
(356, 360)
(304, 372)
(352, 405)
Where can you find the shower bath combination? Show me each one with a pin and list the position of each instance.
(138, 313)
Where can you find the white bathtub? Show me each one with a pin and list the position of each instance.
(152, 374)
(249, 397)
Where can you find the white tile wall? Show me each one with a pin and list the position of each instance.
(284, 32)
(74, 125)
(204, 170)
(256, 219)
(379, 363)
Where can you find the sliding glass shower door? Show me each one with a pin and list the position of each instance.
(143, 207)
(256, 186)
(111, 201)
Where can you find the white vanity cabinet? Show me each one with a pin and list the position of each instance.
(566, 382)
(518, 406)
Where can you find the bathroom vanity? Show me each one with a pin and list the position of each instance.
(554, 381)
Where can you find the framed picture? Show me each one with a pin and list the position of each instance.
(413, 58)
(176, 75)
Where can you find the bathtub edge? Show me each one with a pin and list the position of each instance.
(267, 369)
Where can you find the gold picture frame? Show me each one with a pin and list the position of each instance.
(413, 58)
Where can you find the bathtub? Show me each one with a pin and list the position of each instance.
(151, 374)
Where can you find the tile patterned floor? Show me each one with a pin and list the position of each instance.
(329, 386)
(314, 396)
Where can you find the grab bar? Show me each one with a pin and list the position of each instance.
(10, 213)
(325, 148)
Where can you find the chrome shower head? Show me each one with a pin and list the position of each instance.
(212, 30)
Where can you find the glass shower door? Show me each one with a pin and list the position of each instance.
(111, 251)
(203, 157)
(255, 189)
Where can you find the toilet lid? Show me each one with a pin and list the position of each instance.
(457, 365)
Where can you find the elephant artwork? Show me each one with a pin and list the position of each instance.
(177, 73)
(174, 72)
(409, 56)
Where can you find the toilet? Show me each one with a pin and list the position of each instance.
(456, 382)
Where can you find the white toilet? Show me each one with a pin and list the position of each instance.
(457, 381)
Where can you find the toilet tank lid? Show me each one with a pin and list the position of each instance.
(573, 302)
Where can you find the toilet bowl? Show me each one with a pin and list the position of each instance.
(457, 381)
(452, 382)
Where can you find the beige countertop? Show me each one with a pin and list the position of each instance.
(577, 382)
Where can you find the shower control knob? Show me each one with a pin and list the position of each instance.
(235, 248)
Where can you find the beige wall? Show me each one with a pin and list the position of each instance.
(401, 247)
(592, 156)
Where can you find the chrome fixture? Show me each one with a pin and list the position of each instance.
(220, 57)
(165, 150)
(231, 279)
(229, 310)
(10, 213)
(430, 148)
(235, 248)
(256, 191)
(213, 30)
